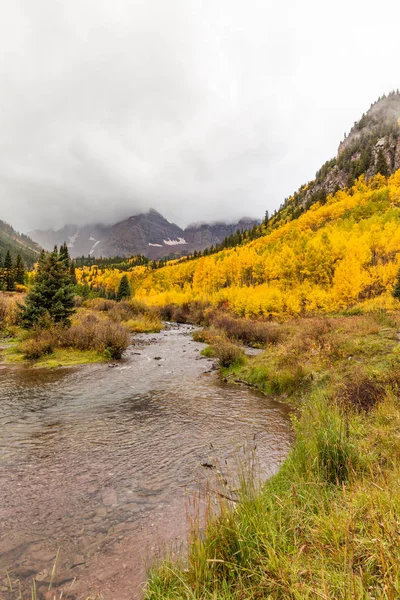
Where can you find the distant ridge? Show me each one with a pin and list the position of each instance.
(149, 234)
(18, 243)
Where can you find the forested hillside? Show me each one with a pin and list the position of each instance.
(337, 254)
(18, 244)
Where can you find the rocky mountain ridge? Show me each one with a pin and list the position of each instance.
(371, 147)
(148, 234)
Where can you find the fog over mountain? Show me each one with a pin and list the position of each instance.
(201, 109)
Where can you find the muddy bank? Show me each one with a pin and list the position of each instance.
(99, 462)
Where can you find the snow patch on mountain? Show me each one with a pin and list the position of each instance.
(175, 242)
(72, 239)
(94, 246)
(156, 245)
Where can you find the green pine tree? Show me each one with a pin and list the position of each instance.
(381, 164)
(396, 287)
(8, 273)
(19, 271)
(51, 296)
(64, 255)
(72, 273)
(124, 291)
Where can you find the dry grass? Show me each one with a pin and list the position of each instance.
(9, 310)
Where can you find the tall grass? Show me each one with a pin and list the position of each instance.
(324, 527)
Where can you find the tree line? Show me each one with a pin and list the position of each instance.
(11, 273)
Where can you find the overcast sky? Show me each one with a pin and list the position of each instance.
(202, 109)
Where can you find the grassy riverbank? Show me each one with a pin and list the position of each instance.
(328, 524)
(100, 330)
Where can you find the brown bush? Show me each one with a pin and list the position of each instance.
(42, 342)
(100, 304)
(97, 334)
(228, 354)
(82, 335)
(125, 310)
(247, 331)
(115, 339)
(166, 312)
(196, 313)
(361, 392)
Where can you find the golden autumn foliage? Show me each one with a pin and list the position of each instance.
(333, 257)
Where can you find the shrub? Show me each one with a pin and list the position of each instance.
(123, 311)
(247, 331)
(83, 335)
(180, 314)
(149, 323)
(196, 313)
(43, 342)
(9, 311)
(228, 354)
(94, 334)
(167, 312)
(360, 392)
(100, 304)
(114, 338)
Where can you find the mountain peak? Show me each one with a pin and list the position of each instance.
(149, 234)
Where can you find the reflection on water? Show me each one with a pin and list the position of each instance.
(96, 461)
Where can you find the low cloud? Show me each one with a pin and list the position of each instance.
(201, 109)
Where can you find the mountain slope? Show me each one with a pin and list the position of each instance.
(332, 257)
(17, 244)
(372, 146)
(148, 234)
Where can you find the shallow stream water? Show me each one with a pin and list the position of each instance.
(98, 463)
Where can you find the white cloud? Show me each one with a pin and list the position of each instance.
(200, 109)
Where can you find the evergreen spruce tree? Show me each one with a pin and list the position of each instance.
(72, 273)
(64, 255)
(51, 296)
(8, 273)
(124, 291)
(396, 287)
(19, 271)
(381, 164)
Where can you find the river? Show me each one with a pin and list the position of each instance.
(98, 464)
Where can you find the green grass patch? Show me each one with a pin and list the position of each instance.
(208, 352)
(68, 357)
(61, 357)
